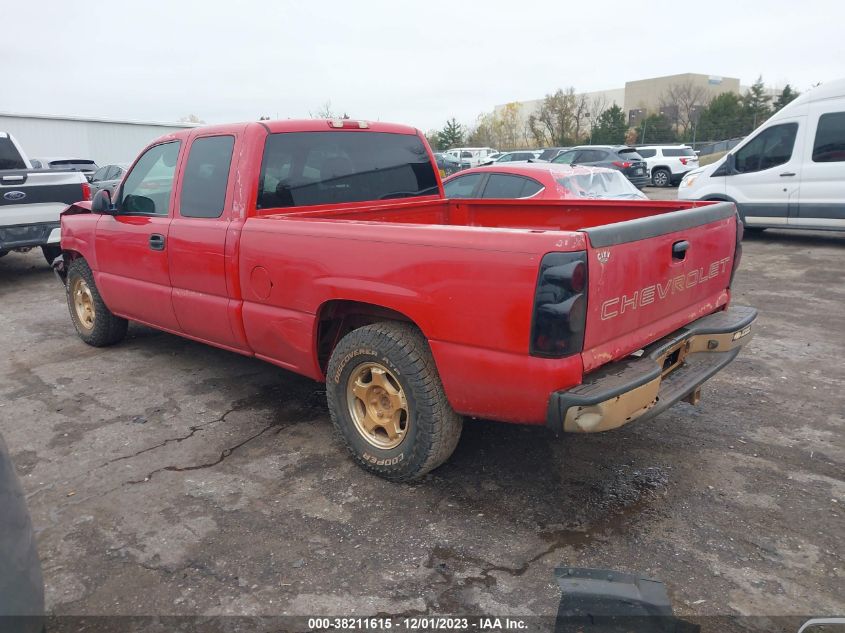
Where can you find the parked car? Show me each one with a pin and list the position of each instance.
(332, 252)
(31, 200)
(108, 177)
(87, 167)
(541, 181)
(491, 158)
(548, 154)
(668, 163)
(789, 172)
(446, 164)
(471, 156)
(625, 159)
(521, 156)
(21, 583)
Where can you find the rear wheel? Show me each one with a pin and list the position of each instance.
(94, 322)
(661, 178)
(51, 252)
(386, 400)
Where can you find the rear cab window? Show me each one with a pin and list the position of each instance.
(10, 158)
(313, 168)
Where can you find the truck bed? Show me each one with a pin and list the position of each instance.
(542, 215)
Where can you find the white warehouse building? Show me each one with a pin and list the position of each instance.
(104, 141)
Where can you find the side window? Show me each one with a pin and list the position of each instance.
(100, 174)
(770, 148)
(462, 186)
(505, 158)
(565, 158)
(649, 153)
(148, 186)
(206, 177)
(829, 146)
(508, 187)
(531, 187)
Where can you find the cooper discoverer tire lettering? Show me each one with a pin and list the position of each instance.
(387, 402)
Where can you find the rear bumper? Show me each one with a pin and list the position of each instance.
(670, 370)
(640, 181)
(27, 235)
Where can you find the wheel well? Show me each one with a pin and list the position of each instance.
(661, 167)
(338, 317)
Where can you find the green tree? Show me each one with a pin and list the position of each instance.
(786, 95)
(755, 106)
(452, 135)
(655, 128)
(433, 138)
(722, 118)
(610, 127)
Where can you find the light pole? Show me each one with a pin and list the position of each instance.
(587, 115)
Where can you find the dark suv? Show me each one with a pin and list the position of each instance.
(620, 157)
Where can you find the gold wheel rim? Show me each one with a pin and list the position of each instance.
(378, 406)
(83, 303)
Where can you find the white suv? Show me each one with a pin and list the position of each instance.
(668, 164)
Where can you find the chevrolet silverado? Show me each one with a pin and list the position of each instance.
(327, 248)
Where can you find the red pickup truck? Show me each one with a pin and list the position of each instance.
(328, 249)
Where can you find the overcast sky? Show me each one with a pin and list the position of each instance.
(406, 61)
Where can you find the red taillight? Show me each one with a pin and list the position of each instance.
(622, 164)
(684, 161)
(560, 305)
(86, 191)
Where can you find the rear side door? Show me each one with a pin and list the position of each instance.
(197, 250)
(133, 272)
(822, 196)
(764, 175)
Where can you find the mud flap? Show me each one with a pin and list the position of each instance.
(607, 601)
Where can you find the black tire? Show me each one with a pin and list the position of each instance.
(51, 252)
(661, 178)
(105, 328)
(433, 428)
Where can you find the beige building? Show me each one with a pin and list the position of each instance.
(648, 93)
(643, 96)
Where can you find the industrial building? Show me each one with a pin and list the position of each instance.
(105, 141)
(643, 96)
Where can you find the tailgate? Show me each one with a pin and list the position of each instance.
(651, 276)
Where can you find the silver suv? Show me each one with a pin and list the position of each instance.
(668, 163)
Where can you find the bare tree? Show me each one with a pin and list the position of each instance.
(191, 118)
(681, 103)
(326, 112)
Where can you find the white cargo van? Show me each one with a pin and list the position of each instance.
(789, 172)
(471, 156)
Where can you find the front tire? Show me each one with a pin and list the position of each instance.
(387, 402)
(94, 322)
(661, 178)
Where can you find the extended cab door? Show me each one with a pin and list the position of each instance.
(133, 274)
(764, 175)
(822, 198)
(198, 233)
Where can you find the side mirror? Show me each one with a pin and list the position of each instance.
(101, 202)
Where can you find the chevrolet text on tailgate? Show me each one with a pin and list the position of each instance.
(328, 249)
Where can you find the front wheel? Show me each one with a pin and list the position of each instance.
(386, 400)
(94, 322)
(661, 178)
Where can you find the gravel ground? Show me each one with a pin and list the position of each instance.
(167, 477)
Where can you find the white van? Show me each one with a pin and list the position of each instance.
(790, 172)
(471, 156)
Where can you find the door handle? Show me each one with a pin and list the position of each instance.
(157, 242)
(788, 173)
(679, 249)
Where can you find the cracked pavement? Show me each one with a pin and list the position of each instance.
(167, 477)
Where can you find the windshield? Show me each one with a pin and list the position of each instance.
(600, 184)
